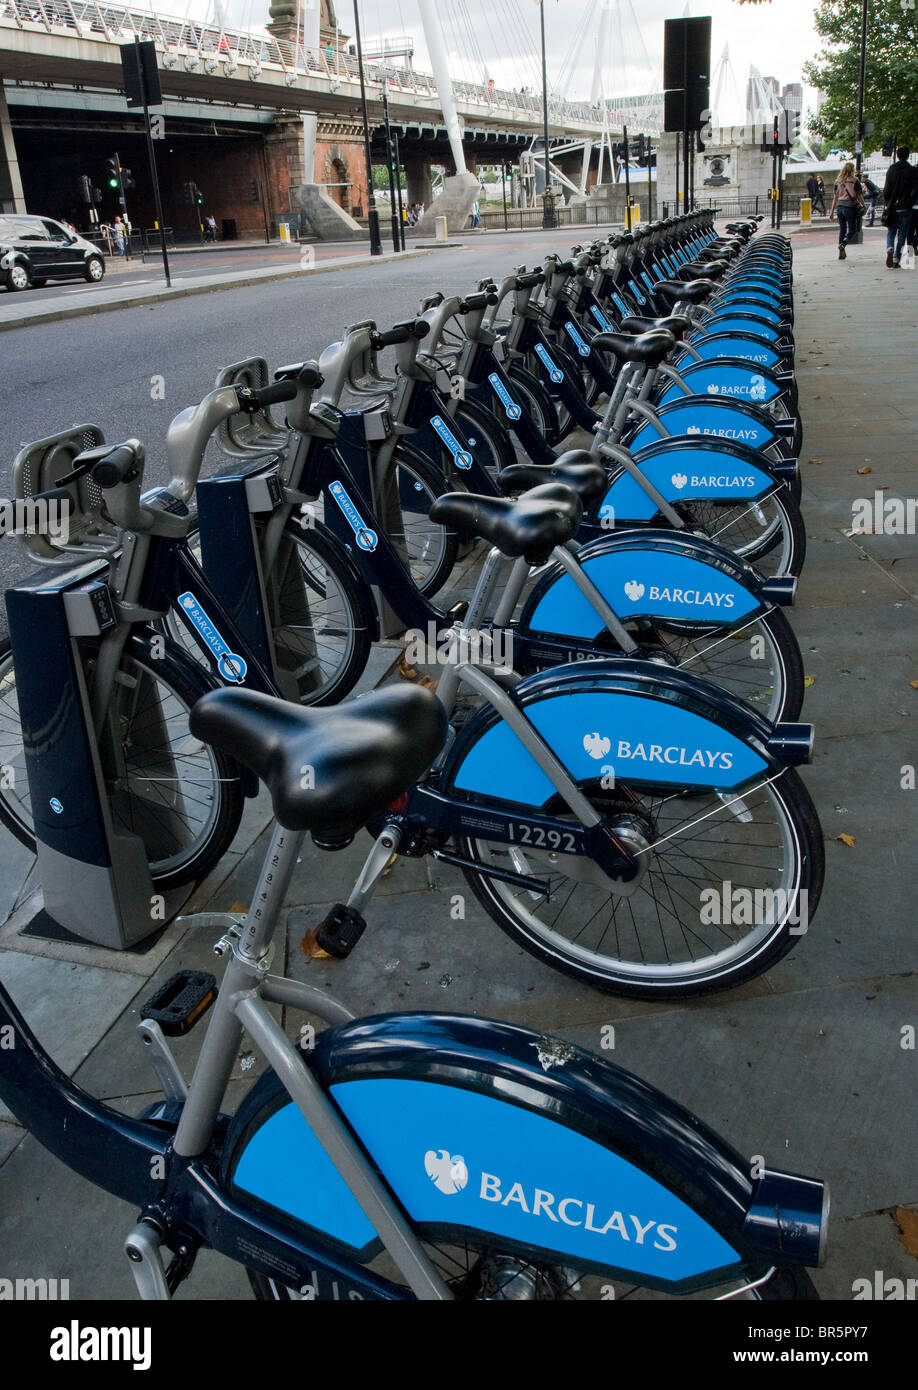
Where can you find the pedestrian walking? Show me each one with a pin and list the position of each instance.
(871, 194)
(476, 214)
(848, 203)
(812, 192)
(898, 196)
(118, 236)
(820, 202)
(210, 228)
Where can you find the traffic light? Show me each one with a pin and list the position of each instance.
(889, 146)
(188, 191)
(112, 173)
(198, 195)
(639, 150)
(798, 122)
(127, 179)
(86, 188)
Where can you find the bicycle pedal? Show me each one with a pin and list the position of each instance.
(337, 934)
(181, 1001)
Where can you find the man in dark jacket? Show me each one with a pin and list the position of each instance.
(898, 195)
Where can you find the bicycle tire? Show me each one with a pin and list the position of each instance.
(151, 818)
(725, 968)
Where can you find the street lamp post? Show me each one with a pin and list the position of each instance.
(548, 216)
(390, 160)
(372, 214)
(859, 142)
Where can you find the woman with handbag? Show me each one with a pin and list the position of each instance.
(849, 204)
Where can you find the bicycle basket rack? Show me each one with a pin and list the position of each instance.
(38, 468)
(243, 434)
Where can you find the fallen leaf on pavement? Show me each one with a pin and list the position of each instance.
(865, 470)
(907, 1221)
(846, 840)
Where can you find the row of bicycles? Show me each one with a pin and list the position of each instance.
(601, 455)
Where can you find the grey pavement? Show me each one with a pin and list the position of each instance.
(805, 1066)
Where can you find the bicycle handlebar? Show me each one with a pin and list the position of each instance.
(305, 374)
(418, 328)
(474, 302)
(255, 398)
(118, 466)
(527, 282)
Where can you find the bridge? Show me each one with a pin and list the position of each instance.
(60, 62)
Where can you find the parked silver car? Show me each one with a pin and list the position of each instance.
(34, 250)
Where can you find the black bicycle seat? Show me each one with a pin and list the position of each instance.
(649, 348)
(712, 269)
(576, 469)
(532, 526)
(694, 291)
(327, 770)
(677, 324)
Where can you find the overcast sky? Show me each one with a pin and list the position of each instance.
(499, 39)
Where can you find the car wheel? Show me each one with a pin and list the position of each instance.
(95, 269)
(17, 277)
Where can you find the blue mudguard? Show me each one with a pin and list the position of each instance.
(730, 379)
(655, 574)
(512, 1140)
(687, 471)
(647, 725)
(743, 323)
(731, 420)
(738, 344)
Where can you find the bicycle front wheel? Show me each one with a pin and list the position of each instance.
(180, 796)
(319, 613)
(727, 885)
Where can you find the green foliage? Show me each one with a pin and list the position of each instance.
(890, 78)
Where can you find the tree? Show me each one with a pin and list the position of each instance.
(890, 78)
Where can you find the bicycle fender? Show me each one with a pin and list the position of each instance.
(684, 472)
(658, 575)
(692, 415)
(743, 344)
(645, 725)
(730, 378)
(508, 1136)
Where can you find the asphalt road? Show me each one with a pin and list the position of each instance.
(101, 368)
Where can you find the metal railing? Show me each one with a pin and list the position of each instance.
(207, 47)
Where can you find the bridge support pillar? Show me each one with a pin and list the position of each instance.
(417, 170)
(12, 198)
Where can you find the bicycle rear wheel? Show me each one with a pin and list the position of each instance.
(182, 797)
(728, 885)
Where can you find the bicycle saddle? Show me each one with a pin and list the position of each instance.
(677, 324)
(358, 755)
(649, 348)
(712, 269)
(577, 469)
(532, 526)
(694, 291)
